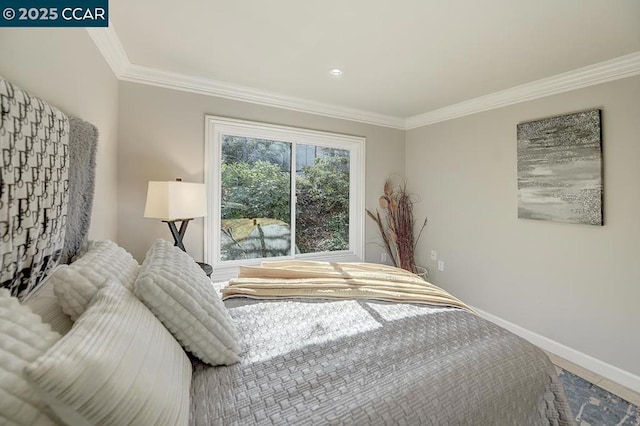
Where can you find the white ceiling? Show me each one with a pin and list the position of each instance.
(400, 58)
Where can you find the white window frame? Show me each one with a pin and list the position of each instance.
(216, 127)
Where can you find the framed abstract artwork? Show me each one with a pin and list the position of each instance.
(560, 168)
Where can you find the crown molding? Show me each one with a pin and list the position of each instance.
(204, 86)
(601, 72)
(109, 45)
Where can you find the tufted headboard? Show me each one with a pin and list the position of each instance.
(41, 188)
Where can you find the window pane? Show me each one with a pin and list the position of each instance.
(256, 198)
(322, 191)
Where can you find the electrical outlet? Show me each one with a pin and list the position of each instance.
(434, 255)
(383, 258)
(441, 265)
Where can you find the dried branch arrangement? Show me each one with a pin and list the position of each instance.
(397, 227)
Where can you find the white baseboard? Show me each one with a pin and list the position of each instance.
(602, 368)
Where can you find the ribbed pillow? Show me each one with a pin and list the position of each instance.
(118, 365)
(77, 283)
(23, 338)
(176, 289)
(43, 302)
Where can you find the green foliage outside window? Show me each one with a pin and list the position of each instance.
(322, 220)
(261, 189)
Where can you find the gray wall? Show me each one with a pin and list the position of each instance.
(64, 67)
(576, 284)
(161, 136)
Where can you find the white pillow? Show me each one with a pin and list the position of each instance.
(77, 283)
(176, 289)
(118, 365)
(23, 338)
(43, 302)
(108, 258)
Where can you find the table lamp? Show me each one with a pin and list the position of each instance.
(176, 201)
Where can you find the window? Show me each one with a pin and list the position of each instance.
(277, 193)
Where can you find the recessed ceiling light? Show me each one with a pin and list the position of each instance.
(336, 72)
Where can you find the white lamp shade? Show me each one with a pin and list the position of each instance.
(176, 200)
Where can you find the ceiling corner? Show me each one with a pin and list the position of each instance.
(109, 45)
(601, 72)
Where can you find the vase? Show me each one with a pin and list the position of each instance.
(422, 272)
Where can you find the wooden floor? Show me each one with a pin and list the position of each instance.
(606, 384)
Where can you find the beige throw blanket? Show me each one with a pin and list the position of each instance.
(305, 279)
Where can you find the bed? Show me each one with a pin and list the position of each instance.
(105, 340)
(362, 359)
